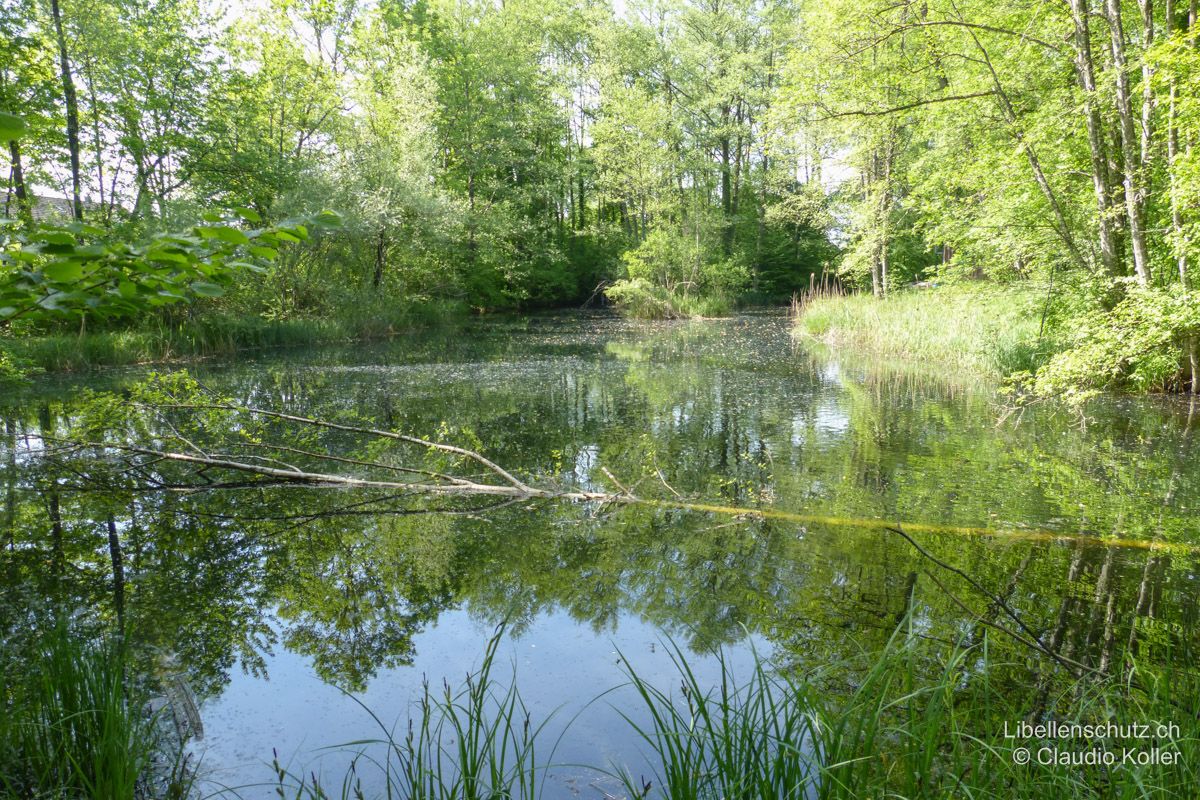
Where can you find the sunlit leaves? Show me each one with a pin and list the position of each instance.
(76, 269)
(11, 126)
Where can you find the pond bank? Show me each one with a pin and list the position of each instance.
(209, 337)
(983, 332)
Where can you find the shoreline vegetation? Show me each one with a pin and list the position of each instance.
(986, 332)
(1144, 341)
(209, 336)
(921, 719)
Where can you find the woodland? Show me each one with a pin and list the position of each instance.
(166, 161)
(532, 258)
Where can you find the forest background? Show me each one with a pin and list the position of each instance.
(184, 177)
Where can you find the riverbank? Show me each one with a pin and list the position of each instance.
(208, 337)
(984, 332)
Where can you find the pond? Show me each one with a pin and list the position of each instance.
(292, 611)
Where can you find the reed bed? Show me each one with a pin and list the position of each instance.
(988, 332)
(77, 728)
(921, 719)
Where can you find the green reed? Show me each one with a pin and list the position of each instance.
(474, 743)
(75, 728)
(919, 720)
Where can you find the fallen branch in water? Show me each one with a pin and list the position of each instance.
(295, 475)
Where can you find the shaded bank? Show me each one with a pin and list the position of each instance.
(215, 336)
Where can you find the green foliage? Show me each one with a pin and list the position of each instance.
(77, 729)
(642, 299)
(14, 370)
(1141, 345)
(11, 126)
(76, 270)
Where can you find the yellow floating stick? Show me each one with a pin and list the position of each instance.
(1156, 545)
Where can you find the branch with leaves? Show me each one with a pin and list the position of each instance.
(64, 271)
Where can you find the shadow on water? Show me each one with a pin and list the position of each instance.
(244, 584)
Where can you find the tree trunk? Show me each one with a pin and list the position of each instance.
(1062, 227)
(1194, 363)
(19, 191)
(1101, 181)
(1135, 200)
(380, 259)
(72, 108)
(118, 573)
(1172, 159)
(726, 194)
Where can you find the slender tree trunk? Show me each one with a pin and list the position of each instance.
(72, 108)
(19, 190)
(726, 194)
(1194, 363)
(118, 573)
(1101, 181)
(380, 259)
(1062, 227)
(1147, 129)
(1130, 145)
(1172, 160)
(10, 479)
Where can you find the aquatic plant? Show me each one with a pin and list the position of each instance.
(473, 743)
(77, 728)
(782, 734)
(987, 332)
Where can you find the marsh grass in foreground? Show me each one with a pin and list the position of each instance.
(989, 332)
(76, 728)
(921, 720)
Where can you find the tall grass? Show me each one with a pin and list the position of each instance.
(218, 335)
(476, 743)
(76, 728)
(735, 740)
(919, 725)
(921, 719)
(989, 332)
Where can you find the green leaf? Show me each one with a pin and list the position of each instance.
(223, 233)
(269, 253)
(63, 271)
(167, 256)
(56, 237)
(11, 126)
(205, 289)
(248, 214)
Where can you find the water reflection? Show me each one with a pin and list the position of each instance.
(726, 412)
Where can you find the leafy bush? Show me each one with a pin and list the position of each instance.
(55, 272)
(641, 299)
(1141, 345)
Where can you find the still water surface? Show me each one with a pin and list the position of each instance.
(288, 607)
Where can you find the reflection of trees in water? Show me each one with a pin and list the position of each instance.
(690, 412)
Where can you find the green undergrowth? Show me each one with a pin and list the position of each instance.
(203, 337)
(641, 299)
(988, 332)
